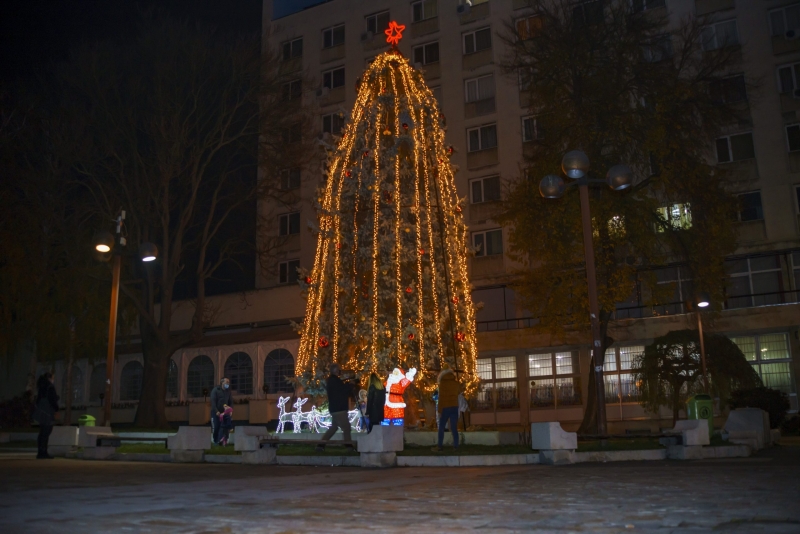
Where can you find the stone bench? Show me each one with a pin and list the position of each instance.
(189, 444)
(248, 442)
(748, 426)
(87, 439)
(379, 448)
(63, 440)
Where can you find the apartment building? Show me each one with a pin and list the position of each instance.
(458, 46)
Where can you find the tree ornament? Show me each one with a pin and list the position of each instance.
(422, 252)
(405, 126)
(455, 300)
(450, 150)
(411, 337)
(409, 290)
(387, 132)
(366, 153)
(461, 336)
(307, 280)
(348, 173)
(323, 341)
(458, 209)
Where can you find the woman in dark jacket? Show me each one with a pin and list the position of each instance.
(46, 408)
(376, 399)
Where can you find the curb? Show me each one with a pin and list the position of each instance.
(320, 461)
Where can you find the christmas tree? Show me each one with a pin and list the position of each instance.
(389, 286)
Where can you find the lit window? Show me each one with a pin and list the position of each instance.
(289, 223)
(377, 22)
(292, 49)
(529, 27)
(770, 356)
(424, 10)
(554, 379)
(678, 216)
(719, 35)
(482, 137)
(485, 189)
(784, 20)
(333, 36)
(498, 387)
(479, 88)
(618, 368)
(735, 148)
(488, 243)
(287, 271)
(477, 41)
(333, 78)
(426, 54)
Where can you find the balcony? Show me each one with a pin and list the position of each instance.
(478, 59)
(425, 27)
(479, 108)
(704, 7)
(487, 266)
(483, 211)
(330, 54)
(431, 71)
(782, 45)
(291, 65)
(482, 158)
(334, 96)
(475, 13)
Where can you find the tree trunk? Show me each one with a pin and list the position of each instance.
(68, 386)
(152, 401)
(589, 423)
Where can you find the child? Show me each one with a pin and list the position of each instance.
(362, 408)
(226, 423)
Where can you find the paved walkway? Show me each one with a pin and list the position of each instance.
(758, 494)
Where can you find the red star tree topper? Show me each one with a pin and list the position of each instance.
(394, 33)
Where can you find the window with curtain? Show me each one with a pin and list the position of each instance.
(498, 389)
(618, 373)
(554, 379)
(771, 357)
(239, 370)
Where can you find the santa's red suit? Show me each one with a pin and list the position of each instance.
(396, 384)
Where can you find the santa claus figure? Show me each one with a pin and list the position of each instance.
(396, 384)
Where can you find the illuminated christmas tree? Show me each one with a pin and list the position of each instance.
(389, 286)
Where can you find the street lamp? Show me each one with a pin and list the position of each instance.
(702, 300)
(575, 166)
(105, 242)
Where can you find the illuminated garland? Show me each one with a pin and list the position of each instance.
(389, 286)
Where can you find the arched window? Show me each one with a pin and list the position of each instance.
(97, 383)
(239, 369)
(172, 379)
(200, 376)
(130, 387)
(277, 367)
(77, 385)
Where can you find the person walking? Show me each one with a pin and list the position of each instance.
(376, 400)
(448, 405)
(45, 412)
(221, 398)
(339, 394)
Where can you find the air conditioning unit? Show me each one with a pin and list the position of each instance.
(791, 35)
(323, 91)
(367, 36)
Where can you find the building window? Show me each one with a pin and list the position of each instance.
(427, 53)
(659, 49)
(131, 381)
(750, 207)
(479, 88)
(377, 22)
(290, 179)
(482, 137)
(278, 366)
(172, 379)
(753, 282)
(77, 386)
(737, 147)
(719, 35)
(677, 216)
(292, 49)
(200, 376)
(770, 356)
(729, 90)
(787, 79)
(525, 78)
(587, 13)
(784, 20)
(531, 130)
(647, 5)
(332, 123)
(292, 90)
(239, 370)
(97, 382)
(289, 223)
(488, 243)
(485, 189)
(498, 388)
(554, 379)
(333, 36)
(333, 78)
(618, 373)
(680, 278)
(477, 40)
(529, 27)
(424, 10)
(793, 137)
(287, 271)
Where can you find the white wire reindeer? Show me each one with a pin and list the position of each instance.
(322, 420)
(284, 416)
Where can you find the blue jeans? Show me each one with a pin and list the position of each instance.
(449, 414)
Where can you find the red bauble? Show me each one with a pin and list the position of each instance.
(323, 341)
(458, 209)
(460, 336)
(411, 337)
(409, 290)
(405, 125)
(455, 300)
(366, 153)
(348, 174)
(338, 246)
(422, 252)
(307, 279)
(450, 150)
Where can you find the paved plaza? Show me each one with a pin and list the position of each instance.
(757, 494)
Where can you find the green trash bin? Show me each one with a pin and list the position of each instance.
(86, 420)
(701, 407)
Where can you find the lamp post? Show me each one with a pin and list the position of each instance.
(702, 301)
(575, 165)
(105, 243)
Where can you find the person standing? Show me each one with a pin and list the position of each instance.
(376, 399)
(448, 405)
(221, 398)
(339, 394)
(45, 412)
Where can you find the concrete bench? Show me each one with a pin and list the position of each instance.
(189, 444)
(64, 439)
(89, 437)
(693, 432)
(248, 442)
(379, 448)
(748, 426)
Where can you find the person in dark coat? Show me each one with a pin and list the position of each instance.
(45, 412)
(221, 397)
(376, 399)
(339, 393)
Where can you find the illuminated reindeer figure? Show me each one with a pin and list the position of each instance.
(298, 417)
(284, 417)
